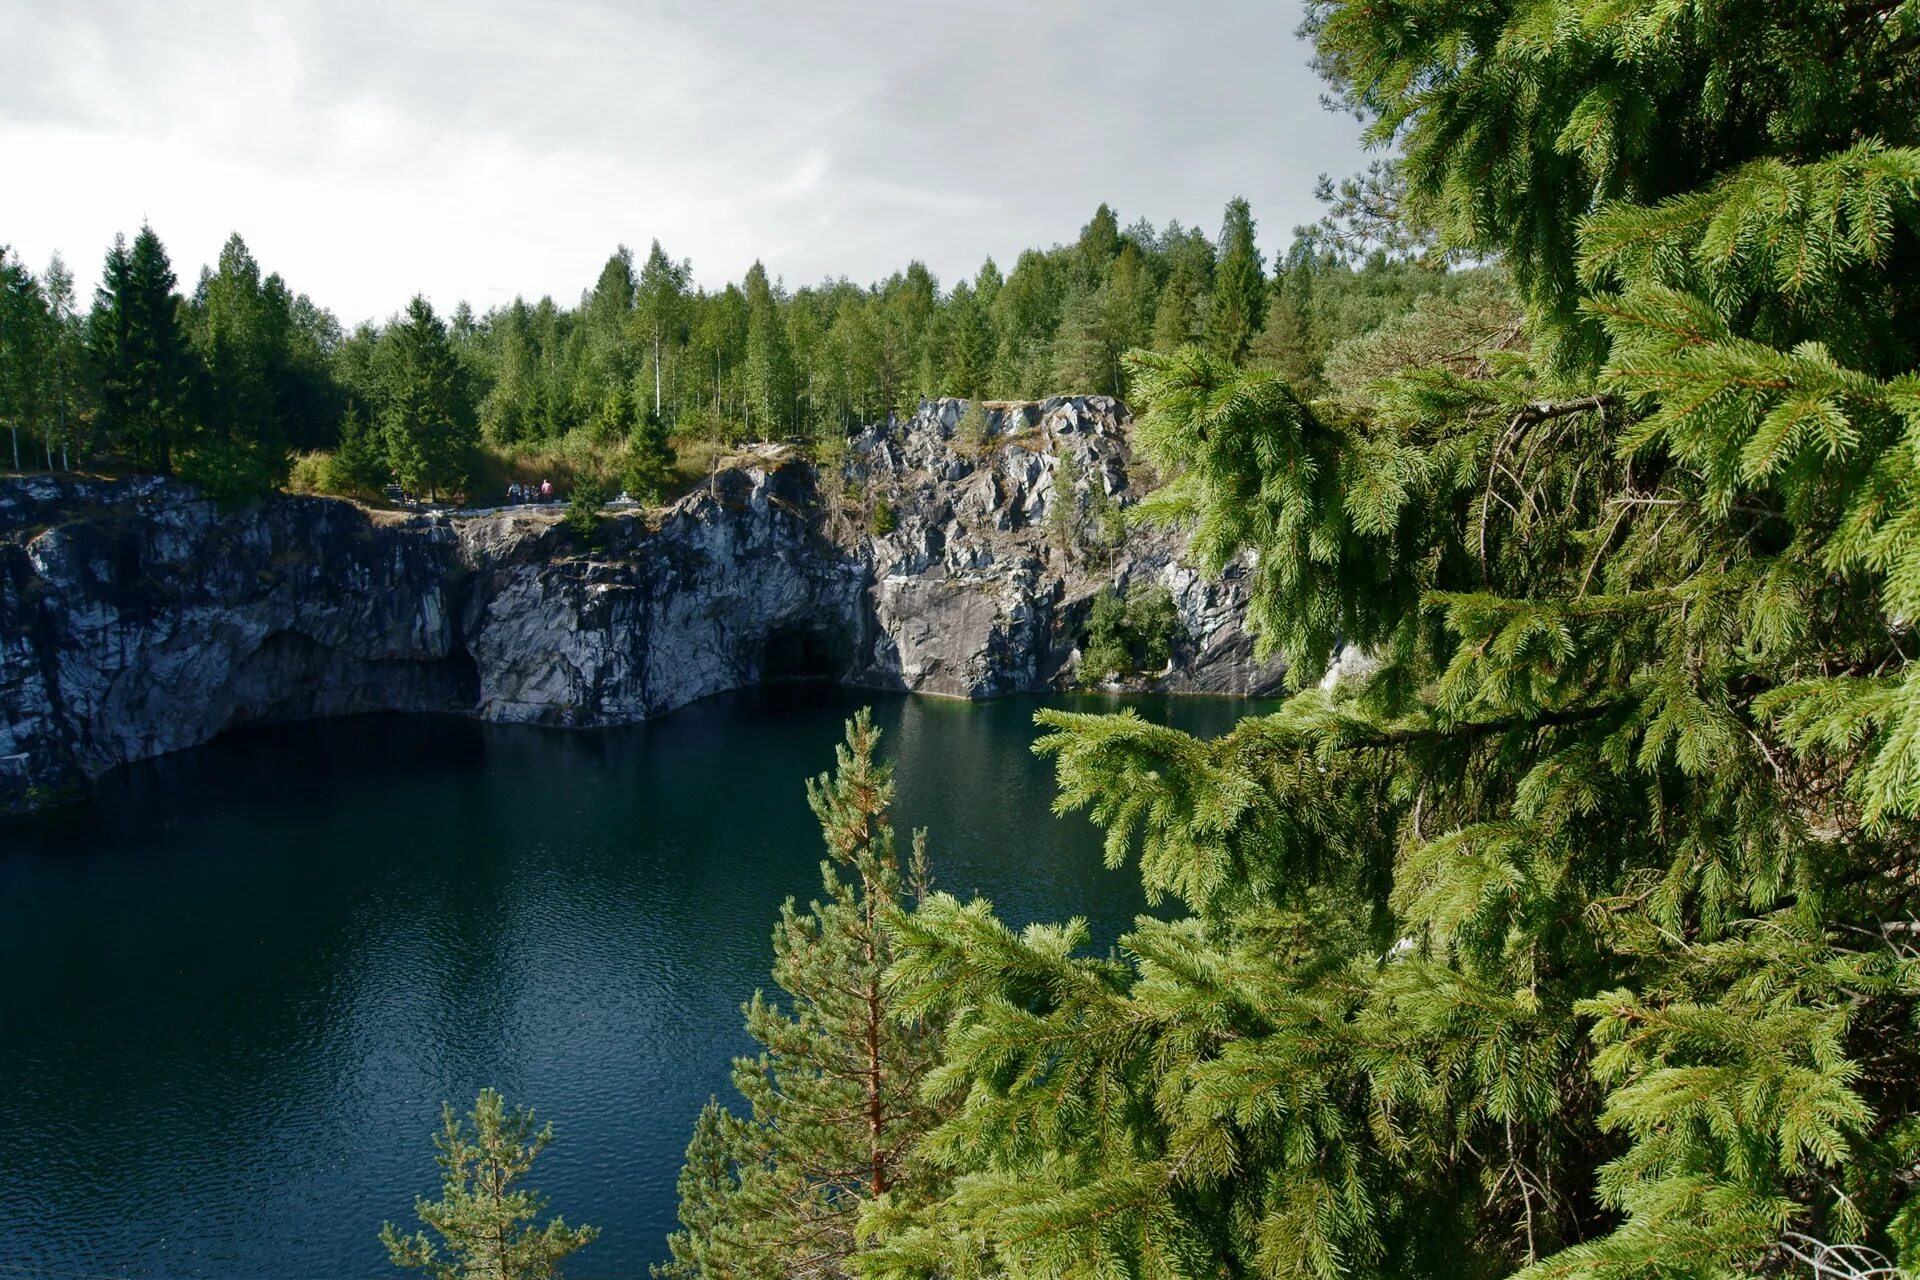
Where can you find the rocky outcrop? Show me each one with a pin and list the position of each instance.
(984, 584)
(138, 618)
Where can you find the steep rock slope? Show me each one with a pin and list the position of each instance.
(137, 618)
(982, 590)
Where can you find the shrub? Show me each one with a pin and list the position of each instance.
(1130, 635)
(231, 471)
(974, 434)
(883, 521)
(359, 466)
(646, 470)
(583, 509)
(1153, 623)
(1104, 656)
(310, 472)
(1066, 514)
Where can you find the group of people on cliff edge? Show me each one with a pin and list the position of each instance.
(518, 493)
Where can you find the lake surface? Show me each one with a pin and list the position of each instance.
(236, 984)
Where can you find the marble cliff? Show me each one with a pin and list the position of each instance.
(138, 618)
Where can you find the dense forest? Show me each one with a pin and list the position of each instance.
(243, 384)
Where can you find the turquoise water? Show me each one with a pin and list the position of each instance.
(239, 981)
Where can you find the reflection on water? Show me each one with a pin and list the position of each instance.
(239, 981)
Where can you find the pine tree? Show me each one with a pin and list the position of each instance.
(606, 322)
(487, 1223)
(358, 464)
(969, 354)
(1176, 315)
(1098, 244)
(648, 468)
(836, 1093)
(1291, 342)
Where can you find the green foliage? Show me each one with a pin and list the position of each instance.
(647, 469)
(1239, 286)
(243, 332)
(253, 370)
(769, 359)
(836, 1094)
(1321, 304)
(583, 509)
(1104, 655)
(358, 467)
(1576, 938)
(1128, 635)
(974, 433)
(882, 521)
(141, 363)
(430, 434)
(1517, 121)
(486, 1223)
(25, 331)
(1066, 513)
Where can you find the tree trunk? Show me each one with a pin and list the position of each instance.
(16, 446)
(876, 1114)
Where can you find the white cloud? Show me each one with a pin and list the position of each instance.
(371, 148)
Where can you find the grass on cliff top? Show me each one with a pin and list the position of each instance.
(565, 463)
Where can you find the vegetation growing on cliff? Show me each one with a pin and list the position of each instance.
(1129, 634)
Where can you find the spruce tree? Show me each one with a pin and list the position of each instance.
(25, 351)
(1239, 286)
(835, 1095)
(235, 448)
(1572, 932)
(428, 421)
(488, 1225)
(143, 366)
(969, 346)
(769, 359)
(648, 467)
(358, 465)
(109, 345)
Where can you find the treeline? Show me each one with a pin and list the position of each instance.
(226, 385)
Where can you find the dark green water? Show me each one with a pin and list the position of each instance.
(236, 984)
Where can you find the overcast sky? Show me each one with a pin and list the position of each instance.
(369, 149)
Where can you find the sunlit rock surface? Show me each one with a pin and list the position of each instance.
(137, 618)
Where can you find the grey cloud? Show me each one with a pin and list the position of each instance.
(830, 138)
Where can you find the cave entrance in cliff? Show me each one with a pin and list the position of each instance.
(800, 653)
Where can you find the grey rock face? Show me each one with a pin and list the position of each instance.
(137, 618)
(979, 591)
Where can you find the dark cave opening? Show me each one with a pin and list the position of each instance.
(799, 653)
